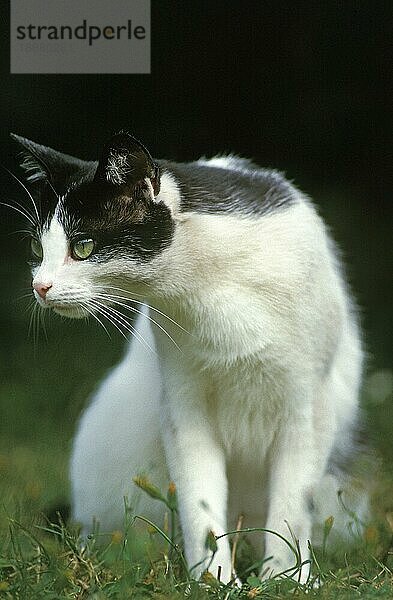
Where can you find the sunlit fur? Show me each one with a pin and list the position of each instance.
(240, 384)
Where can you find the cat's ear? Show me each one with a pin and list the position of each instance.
(126, 162)
(41, 163)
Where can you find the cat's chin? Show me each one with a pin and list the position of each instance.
(71, 312)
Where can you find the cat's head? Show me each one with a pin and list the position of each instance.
(97, 227)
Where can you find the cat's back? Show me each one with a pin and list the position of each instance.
(226, 185)
(230, 207)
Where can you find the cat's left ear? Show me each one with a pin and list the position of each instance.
(41, 164)
(126, 162)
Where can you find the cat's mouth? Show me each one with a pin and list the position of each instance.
(74, 311)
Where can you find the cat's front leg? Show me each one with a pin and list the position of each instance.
(295, 470)
(197, 466)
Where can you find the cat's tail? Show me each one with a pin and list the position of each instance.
(118, 438)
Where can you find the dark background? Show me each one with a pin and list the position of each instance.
(304, 87)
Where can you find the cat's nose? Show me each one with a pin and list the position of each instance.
(42, 289)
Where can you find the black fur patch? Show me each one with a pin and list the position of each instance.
(45, 164)
(215, 190)
(119, 224)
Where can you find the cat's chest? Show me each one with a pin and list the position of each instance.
(231, 367)
(225, 329)
(243, 403)
(240, 403)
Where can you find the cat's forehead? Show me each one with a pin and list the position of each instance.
(54, 241)
(87, 204)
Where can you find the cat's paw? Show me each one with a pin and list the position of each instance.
(277, 567)
(220, 570)
(212, 581)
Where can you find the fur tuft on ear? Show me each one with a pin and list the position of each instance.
(117, 168)
(33, 168)
(125, 161)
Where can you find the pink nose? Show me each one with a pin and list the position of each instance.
(42, 289)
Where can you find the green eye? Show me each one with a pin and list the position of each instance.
(82, 249)
(36, 248)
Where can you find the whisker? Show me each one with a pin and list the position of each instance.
(22, 207)
(102, 311)
(41, 321)
(48, 181)
(134, 331)
(144, 303)
(33, 331)
(22, 212)
(153, 308)
(123, 321)
(133, 309)
(19, 231)
(27, 191)
(132, 296)
(111, 287)
(29, 295)
(92, 313)
(30, 306)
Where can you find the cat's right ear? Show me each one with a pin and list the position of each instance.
(42, 163)
(126, 162)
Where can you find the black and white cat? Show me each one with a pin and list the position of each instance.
(241, 382)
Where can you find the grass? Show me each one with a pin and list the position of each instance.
(43, 388)
(40, 559)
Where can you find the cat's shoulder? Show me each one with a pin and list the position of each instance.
(230, 162)
(229, 184)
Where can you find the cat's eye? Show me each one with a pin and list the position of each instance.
(36, 248)
(82, 249)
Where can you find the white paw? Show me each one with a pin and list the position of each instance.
(276, 568)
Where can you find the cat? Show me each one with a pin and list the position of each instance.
(241, 381)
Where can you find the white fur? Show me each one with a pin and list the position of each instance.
(259, 388)
(69, 282)
(169, 195)
(118, 167)
(103, 478)
(228, 161)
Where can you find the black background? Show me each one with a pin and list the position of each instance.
(304, 87)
